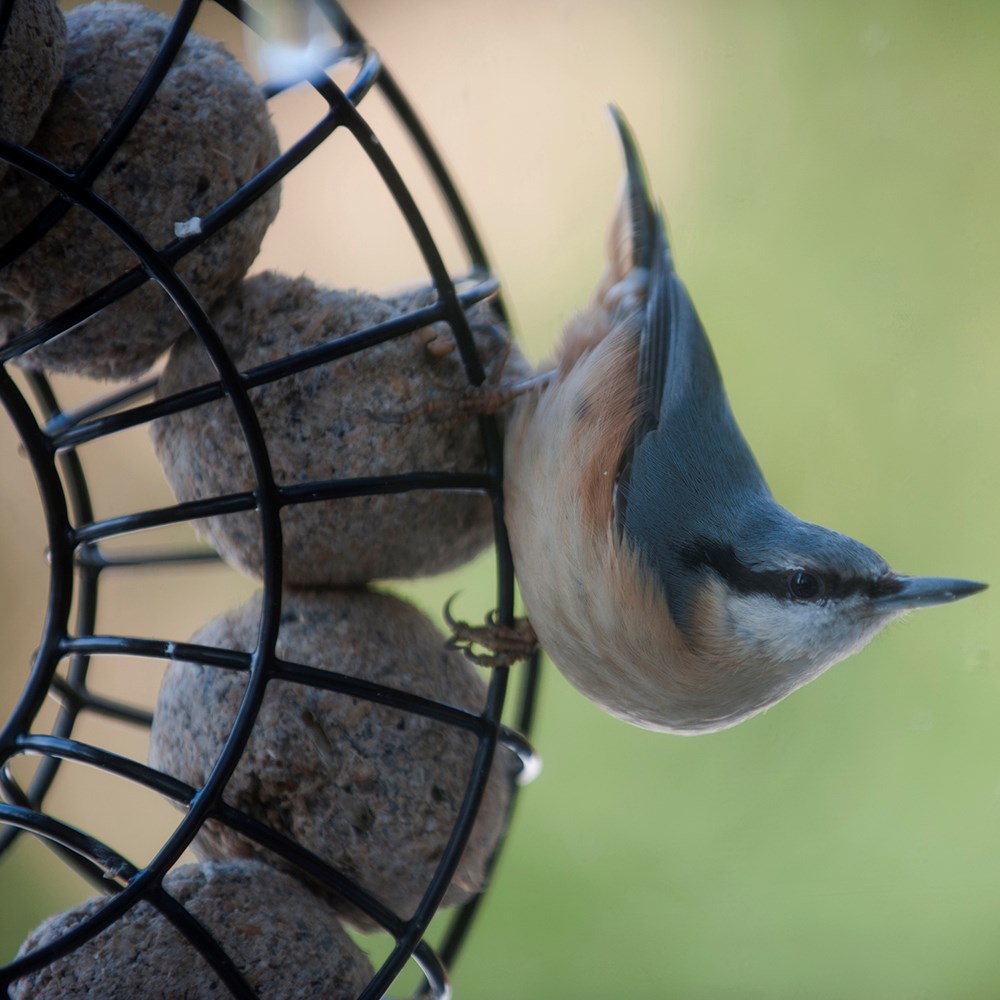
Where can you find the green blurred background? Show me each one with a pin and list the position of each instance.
(831, 174)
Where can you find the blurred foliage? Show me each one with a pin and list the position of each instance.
(829, 172)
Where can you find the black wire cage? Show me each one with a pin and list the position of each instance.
(80, 558)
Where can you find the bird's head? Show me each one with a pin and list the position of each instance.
(777, 601)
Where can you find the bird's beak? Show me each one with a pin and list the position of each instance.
(924, 592)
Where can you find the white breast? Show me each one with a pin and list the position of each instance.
(604, 624)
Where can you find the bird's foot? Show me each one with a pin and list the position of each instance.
(478, 400)
(504, 645)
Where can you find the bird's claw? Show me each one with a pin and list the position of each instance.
(478, 400)
(505, 645)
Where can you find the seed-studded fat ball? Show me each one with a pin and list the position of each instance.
(31, 62)
(374, 791)
(285, 942)
(205, 133)
(360, 415)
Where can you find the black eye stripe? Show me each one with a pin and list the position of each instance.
(722, 559)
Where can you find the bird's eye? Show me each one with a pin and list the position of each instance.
(804, 586)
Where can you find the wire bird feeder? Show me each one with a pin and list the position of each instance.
(80, 560)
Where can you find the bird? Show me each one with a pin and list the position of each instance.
(656, 568)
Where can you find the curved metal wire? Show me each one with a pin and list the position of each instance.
(51, 436)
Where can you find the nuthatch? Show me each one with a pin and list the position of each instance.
(658, 571)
